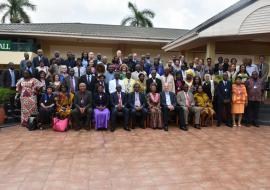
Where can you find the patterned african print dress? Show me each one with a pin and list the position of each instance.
(28, 88)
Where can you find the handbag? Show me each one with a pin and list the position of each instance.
(32, 123)
(60, 125)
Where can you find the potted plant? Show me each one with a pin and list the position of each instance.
(5, 95)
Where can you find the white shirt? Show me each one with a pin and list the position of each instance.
(137, 99)
(76, 71)
(112, 85)
(168, 99)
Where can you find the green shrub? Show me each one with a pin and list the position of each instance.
(5, 94)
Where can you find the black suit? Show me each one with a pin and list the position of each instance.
(224, 96)
(70, 63)
(36, 61)
(140, 113)
(67, 83)
(165, 109)
(7, 80)
(82, 101)
(114, 103)
(90, 85)
(150, 81)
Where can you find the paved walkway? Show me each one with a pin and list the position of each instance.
(211, 158)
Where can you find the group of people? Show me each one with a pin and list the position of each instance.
(145, 90)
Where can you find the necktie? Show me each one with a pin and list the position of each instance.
(119, 100)
(79, 71)
(128, 86)
(88, 79)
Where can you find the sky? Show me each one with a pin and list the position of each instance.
(183, 14)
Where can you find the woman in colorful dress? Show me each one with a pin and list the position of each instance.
(153, 100)
(202, 100)
(101, 112)
(239, 100)
(64, 102)
(28, 87)
(178, 83)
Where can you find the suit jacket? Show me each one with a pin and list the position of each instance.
(87, 100)
(264, 71)
(67, 83)
(70, 63)
(7, 78)
(89, 85)
(131, 100)
(114, 99)
(150, 81)
(163, 99)
(181, 98)
(33, 71)
(224, 92)
(101, 100)
(35, 61)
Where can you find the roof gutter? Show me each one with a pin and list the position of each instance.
(62, 35)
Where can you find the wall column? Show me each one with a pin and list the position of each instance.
(188, 56)
(211, 50)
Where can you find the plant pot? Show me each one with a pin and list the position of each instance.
(2, 114)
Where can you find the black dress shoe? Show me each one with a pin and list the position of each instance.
(256, 125)
(165, 128)
(184, 128)
(142, 127)
(218, 124)
(197, 126)
(229, 125)
(127, 129)
(112, 129)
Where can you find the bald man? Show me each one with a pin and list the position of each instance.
(81, 115)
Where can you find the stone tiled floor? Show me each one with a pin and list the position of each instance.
(211, 158)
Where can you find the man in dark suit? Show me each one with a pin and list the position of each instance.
(217, 65)
(72, 82)
(57, 56)
(81, 115)
(31, 69)
(40, 57)
(89, 79)
(224, 96)
(70, 61)
(137, 105)
(153, 80)
(119, 103)
(168, 104)
(10, 76)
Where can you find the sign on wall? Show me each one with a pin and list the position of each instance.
(5, 45)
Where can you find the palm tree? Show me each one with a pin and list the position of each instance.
(15, 10)
(139, 18)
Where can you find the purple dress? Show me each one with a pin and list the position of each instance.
(101, 117)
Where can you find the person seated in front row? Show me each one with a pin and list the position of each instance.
(119, 104)
(153, 101)
(64, 102)
(137, 104)
(202, 100)
(101, 112)
(82, 113)
(168, 104)
(47, 107)
(186, 100)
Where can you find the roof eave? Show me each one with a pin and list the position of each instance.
(81, 36)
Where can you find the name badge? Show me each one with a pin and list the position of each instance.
(45, 101)
(225, 89)
(255, 87)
